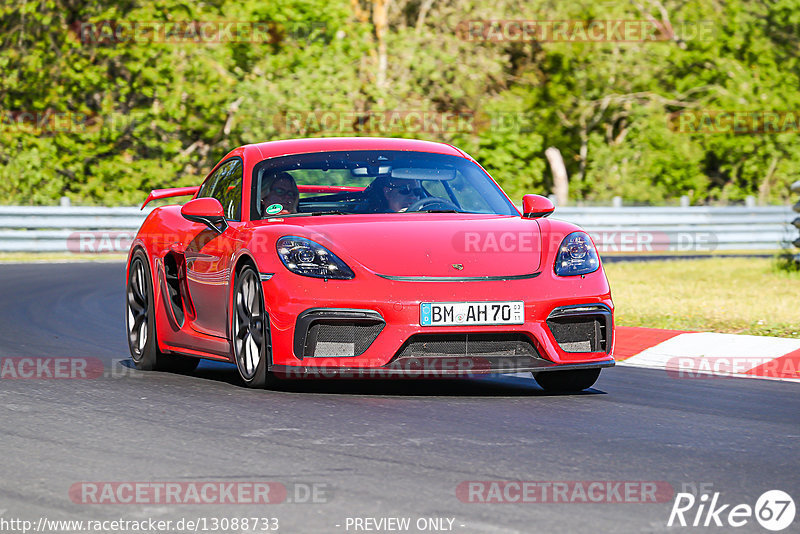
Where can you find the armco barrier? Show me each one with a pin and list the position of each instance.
(796, 222)
(625, 229)
(683, 229)
(68, 229)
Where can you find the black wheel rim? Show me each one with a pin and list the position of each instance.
(137, 309)
(248, 326)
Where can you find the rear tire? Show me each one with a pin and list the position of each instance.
(567, 381)
(250, 332)
(141, 322)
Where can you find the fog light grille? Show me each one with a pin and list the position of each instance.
(340, 339)
(582, 333)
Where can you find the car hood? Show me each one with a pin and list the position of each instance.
(433, 244)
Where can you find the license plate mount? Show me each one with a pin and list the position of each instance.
(471, 313)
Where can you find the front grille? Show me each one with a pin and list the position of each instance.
(340, 339)
(467, 353)
(580, 333)
(468, 344)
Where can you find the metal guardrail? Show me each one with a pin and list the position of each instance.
(68, 229)
(683, 229)
(614, 229)
(796, 222)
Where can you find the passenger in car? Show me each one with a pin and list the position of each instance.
(395, 195)
(282, 191)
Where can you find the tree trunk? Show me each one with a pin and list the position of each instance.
(766, 184)
(380, 20)
(560, 179)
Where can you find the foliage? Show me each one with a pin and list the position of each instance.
(123, 117)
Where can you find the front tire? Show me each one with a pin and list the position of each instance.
(567, 381)
(141, 323)
(250, 334)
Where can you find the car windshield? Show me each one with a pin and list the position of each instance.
(367, 181)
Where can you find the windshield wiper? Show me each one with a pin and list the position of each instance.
(441, 211)
(332, 212)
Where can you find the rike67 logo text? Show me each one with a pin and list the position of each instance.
(774, 510)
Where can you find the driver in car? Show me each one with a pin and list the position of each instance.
(281, 194)
(400, 194)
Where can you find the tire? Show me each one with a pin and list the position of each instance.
(250, 332)
(567, 381)
(140, 318)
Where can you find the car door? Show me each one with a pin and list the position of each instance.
(208, 255)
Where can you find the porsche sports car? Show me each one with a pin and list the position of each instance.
(360, 258)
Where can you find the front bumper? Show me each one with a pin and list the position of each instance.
(384, 315)
(455, 368)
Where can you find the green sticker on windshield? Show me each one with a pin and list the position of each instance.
(272, 209)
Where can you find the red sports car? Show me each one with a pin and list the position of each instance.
(365, 257)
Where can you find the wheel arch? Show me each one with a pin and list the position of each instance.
(137, 246)
(243, 258)
(155, 265)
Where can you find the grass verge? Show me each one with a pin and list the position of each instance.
(733, 295)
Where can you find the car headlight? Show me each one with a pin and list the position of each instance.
(576, 255)
(305, 257)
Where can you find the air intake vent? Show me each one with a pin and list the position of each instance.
(172, 270)
(454, 345)
(581, 329)
(335, 332)
(338, 339)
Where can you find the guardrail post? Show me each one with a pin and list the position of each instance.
(616, 202)
(796, 222)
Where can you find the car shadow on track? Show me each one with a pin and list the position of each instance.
(483, 386)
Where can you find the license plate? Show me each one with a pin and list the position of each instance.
(471, 313)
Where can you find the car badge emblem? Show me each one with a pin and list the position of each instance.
(272, 209)
(458, 266)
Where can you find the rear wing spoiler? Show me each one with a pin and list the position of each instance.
(172, 192)
(191, 191)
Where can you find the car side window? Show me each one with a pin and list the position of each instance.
(225, 184)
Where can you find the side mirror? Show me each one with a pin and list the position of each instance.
(534, 206)
(206, 211)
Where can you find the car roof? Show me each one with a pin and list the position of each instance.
(273, 149)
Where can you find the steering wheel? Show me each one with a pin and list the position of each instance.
(430, 201)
